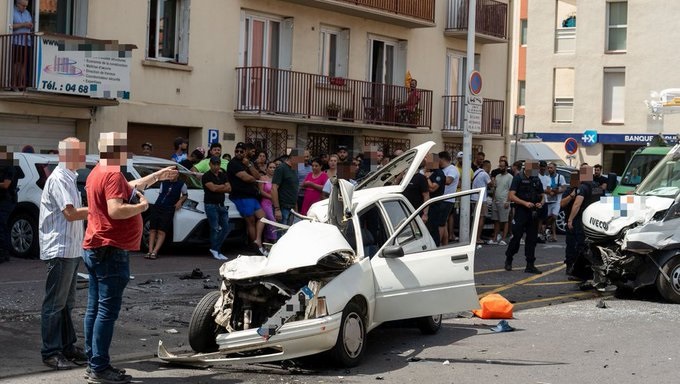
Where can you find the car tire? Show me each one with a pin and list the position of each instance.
(561, 222)
(24, 236)
(202, 327)
(351, 343)
(429, 325)
(670, 290)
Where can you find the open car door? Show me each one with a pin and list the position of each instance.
(414, 277)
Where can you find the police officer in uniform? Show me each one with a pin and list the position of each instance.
(526, 192)
(588, 192)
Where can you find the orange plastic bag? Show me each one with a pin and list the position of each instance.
(494, 306)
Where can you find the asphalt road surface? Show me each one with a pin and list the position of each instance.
(560, 335)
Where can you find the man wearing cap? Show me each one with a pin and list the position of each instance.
(243, 177)
(147, 149)
(215, 185)
(215, 150)
(180, 145)
(343, 155)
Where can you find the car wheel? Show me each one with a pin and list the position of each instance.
(670, 290)
(561, 222)
(351, 342)
(429, 325)
(202, 327)
(24, 236)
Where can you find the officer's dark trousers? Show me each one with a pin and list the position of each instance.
(523, 223)
(574, 253)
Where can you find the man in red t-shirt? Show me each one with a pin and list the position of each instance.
(114, 227)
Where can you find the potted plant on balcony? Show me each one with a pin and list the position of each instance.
(348, 114)
(332, 111)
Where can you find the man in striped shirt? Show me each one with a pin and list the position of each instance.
(61, 237)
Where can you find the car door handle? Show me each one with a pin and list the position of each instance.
(462, 257)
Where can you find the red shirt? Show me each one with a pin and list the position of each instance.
(102, 230)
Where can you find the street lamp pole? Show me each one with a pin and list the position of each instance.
(464, 227)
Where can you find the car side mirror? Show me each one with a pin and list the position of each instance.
(393, 252)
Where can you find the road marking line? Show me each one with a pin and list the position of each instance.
(588, 295)
(553, 283)
(503, 270)
(523, 281)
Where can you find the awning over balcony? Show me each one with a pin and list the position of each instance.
(406, 13)
(275, 94)
(63, 70)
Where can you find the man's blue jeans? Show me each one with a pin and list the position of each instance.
(218, 219)
(109, 270)
(56, 326)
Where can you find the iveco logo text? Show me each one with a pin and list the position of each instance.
(599, 224)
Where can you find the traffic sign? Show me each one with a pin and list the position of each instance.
(473, 114)
(475, 83)
(213, 136)
(571, 145)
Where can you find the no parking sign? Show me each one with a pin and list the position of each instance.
(571, 145)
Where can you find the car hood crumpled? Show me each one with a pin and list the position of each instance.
(304, 244)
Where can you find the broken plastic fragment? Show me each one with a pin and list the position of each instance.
(171, 330)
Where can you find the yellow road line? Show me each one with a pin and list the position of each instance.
(523, 281)
(588, 295)
(503, 270)
(553, 283)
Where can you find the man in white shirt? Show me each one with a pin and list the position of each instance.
(481, 179)
(60, 228)
(452, 179)
(553, 194)
(543, 212)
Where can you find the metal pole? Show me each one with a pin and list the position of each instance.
(467, 136)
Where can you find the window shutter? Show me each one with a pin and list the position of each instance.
(80, 18)
(342, 55)
(286, 44)
(183, 38)
(400, 62)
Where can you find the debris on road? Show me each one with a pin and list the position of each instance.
(196, 274)
(601, 304)
(502, 326)
(171, 331)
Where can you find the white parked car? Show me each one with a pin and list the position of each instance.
(361, 258)
(189, 225)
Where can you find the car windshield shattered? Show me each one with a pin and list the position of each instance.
(664, 180)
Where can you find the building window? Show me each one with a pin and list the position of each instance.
(271, 140)
(614, 95)
(68, 17)
(168, 34)
(522, 93)
(387, 60)
(563, 95)
(334, 51)
(523, 32)
(617, 25)
(565, 26)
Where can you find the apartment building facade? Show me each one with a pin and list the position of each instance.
(282, 74)
(590, 67)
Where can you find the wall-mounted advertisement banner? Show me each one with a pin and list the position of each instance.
(86, 67)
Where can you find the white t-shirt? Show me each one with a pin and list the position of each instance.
(451, 171)
(555, 182)
(481, 179)
(545, 181)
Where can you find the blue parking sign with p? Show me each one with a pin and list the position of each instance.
(213, 136)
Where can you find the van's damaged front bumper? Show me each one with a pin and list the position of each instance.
(292, 340)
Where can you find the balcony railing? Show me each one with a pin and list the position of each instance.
(17, 61)
(420, 9)
(407, 13)
(492, 115)
(301, 95)
(490, 18)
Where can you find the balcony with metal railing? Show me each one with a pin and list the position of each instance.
(20, 73)
(407, 13)
(493, 112)
(275, 94)
(491, 21)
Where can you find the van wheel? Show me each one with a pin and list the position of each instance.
(202, 327)
(24, 235)
(670, 290)
(429, 325)
(351, 343)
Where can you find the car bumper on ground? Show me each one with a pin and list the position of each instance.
(292, 340)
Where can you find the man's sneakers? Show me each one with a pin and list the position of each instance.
(58, 362)
(88, 371)
(218, 256)
(108, 376)
(508, 265)
(502, 243)
(530, 268)
(76, 355)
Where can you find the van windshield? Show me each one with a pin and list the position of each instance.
(664, 179)
(639, 167)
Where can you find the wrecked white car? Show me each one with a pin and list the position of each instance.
(361, 258)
